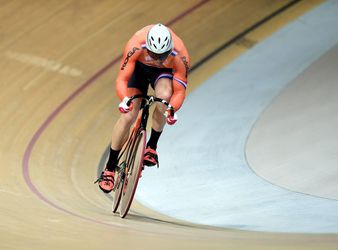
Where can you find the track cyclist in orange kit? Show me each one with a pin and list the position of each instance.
(154, 55)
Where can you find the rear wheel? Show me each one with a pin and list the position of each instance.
(133, 171)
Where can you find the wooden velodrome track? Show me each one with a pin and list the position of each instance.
(58, 67)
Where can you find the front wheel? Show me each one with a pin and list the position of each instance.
(133, 172)
(120, 175)
(120, 171)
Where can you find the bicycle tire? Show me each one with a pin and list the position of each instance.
(117, 192)
(120, 175)
(134, 168)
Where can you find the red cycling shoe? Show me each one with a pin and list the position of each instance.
(106, 181)
(150, 157)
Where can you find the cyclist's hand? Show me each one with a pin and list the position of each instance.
(123, 106)
(171, 120)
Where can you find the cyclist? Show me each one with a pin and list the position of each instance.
(154, 55)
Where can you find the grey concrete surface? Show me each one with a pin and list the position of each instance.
(204, 176)
(294, 143)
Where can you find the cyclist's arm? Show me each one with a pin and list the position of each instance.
(127, 65)
(180, 81)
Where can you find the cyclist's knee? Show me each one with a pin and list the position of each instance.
(163, 89)
(165, 94)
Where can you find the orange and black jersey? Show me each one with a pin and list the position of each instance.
(178, 60)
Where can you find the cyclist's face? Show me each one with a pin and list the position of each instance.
(160, 57)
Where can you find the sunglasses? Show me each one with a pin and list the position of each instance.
(161, 57)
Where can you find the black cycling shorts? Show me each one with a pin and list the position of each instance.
(144, 75)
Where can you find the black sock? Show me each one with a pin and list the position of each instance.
(112, 161)
(152, 143)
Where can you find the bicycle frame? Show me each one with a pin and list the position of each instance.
(142, 119)
(147, 101)
(128, 155)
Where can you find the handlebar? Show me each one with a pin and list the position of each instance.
(151, 99)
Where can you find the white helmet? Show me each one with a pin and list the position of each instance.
(159, 39)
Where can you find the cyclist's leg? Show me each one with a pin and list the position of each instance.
(121, 131)
(122, 126)
(119, 136)
(164, 90)
(136, 85)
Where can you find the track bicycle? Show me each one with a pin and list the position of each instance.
(131, 156)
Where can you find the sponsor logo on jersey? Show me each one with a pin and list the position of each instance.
(130, 54)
